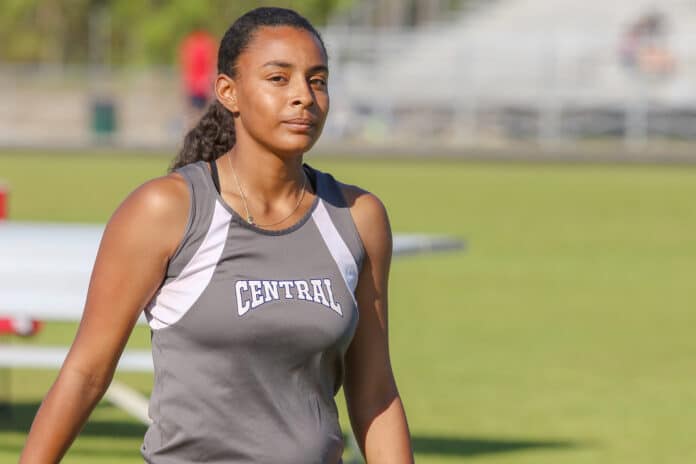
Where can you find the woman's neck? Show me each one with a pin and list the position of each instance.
(264, 177)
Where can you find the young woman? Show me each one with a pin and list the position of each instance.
(264, 281)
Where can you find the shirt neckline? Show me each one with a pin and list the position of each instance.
(236, 217)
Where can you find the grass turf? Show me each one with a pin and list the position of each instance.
(564, 333)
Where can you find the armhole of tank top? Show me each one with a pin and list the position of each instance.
(353, 227)
(191, 214)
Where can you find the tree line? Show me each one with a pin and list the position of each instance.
(119, 32)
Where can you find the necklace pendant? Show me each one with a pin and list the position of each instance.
(250, 219)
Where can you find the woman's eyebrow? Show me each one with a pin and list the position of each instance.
(285, 64)
(278, 63)
(319, 68)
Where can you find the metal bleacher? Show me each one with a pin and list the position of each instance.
(488, 73)
(530, 68)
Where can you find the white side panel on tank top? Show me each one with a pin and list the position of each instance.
(177, 297)
(337, 247)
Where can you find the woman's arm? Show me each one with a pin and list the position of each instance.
(130, 265)
(374, 406)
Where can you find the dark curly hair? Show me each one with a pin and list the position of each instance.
(214, 134)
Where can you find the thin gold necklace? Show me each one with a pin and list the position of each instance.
(249, 217)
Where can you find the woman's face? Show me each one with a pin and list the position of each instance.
(281, 90)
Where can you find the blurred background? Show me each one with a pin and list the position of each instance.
(556, 137)
(554, 77)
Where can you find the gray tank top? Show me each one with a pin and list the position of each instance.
(249, 330)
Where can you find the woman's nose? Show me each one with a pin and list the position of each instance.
(303, 95)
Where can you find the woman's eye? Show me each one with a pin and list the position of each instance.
(277, 78)
(319, 82)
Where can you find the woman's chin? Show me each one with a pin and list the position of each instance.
(296, 144)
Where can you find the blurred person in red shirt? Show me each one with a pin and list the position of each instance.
(198, 62)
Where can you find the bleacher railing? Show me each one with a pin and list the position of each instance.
(394, 88)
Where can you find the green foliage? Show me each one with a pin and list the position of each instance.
(140, 32)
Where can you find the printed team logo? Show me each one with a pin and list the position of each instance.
(254, 293)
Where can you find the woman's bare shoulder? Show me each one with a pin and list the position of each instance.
(370, 218)
(360, 200)
(157, 208)
(162, 195)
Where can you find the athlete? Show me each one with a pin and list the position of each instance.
(264, 281)
(197, 61)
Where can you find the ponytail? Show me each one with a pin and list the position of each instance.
(212, 137)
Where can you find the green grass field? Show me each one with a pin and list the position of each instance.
(564, 334)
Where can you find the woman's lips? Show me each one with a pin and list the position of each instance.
(300, 125)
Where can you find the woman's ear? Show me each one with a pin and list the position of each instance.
(226, 92)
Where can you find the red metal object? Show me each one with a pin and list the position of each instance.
(22, 326)
(4, 201)
(19, 326)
